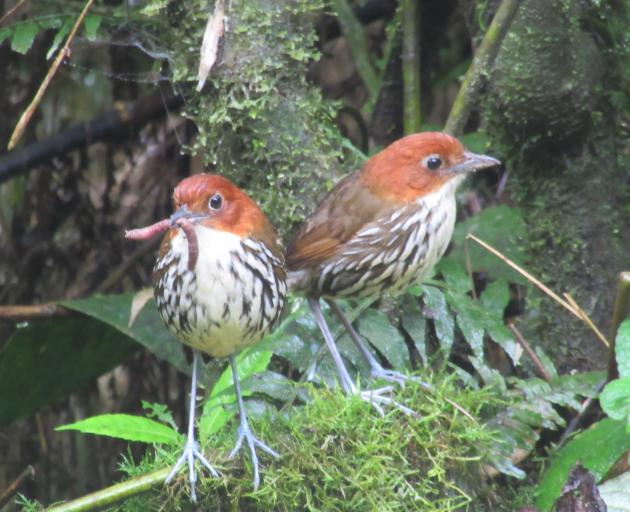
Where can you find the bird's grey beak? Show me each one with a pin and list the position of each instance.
(473, 162)
(184, 213)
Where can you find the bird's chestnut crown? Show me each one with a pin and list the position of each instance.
(419, 164)
(213, 201)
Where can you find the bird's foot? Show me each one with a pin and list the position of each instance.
(245, 434)
(190, 453)
(395, 377)
(382, 397)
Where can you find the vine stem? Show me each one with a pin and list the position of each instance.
(114, 493)
(483, 59)
(412, 114)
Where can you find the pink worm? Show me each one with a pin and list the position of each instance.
(148, 232)
(163, 225)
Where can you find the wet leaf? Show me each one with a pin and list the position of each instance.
(148, 329)
(378, 330)
(615, 399)
(46, 360)
(438, 309)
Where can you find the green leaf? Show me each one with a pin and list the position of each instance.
(46, 360)
(59, 36)
(615, 399)
(148, 329)
(92, 24)
(415, 325)
(376, 327)
(444, 324)
(23, 36)
(598, 448)
(127, 427)
(504, 229)
(622, 348)
(455, 276)
(214, 416)
(5, 33)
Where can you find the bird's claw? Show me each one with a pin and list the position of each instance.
(399, 378)
(245, 433)
(190, 453)
(379, 397)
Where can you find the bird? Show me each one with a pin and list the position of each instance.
(377, 231)
(220, 285)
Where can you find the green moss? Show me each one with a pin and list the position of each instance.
(338, 454)
(259, 121)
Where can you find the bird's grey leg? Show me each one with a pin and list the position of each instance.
(376, 397)
(376, 369)
(244, 431)
(191, 449)
(346, 382)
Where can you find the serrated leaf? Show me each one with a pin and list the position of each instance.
(597, 448)
(615, 399)
(59, 36)
(214, 416)
(92, 23)
(376, 327)
(23, 36)
(616, 493)
(622, 348)
(127, 427)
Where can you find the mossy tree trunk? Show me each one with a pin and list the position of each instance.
(556, 102)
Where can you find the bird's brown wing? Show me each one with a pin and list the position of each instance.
(347, 208)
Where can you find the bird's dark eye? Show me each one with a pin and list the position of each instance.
(434, 162)
(215, 201)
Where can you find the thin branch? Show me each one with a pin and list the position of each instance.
(530, 352)
(620, 311)
(28, 113)
(525, 274)
(114, 493)
(483, 59)
(15, 485)
(412, 115)
(353, 30)
(12, 12)
(586, 319)
(33, 312)
(117, 124)
(569, 304)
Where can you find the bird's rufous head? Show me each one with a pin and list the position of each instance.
(419, 164)
(215, 202)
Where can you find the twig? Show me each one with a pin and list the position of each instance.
(11, 12)
(412, 115)
(114, 493)
(620, 310)
(483, 59)
(28, 113)
(33, 312)
(525, 274)
(530, 352)
(585, 318)
(571, 306)
(353, 30)
(15, 485)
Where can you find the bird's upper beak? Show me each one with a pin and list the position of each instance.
(473, 162)
(184, 213)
